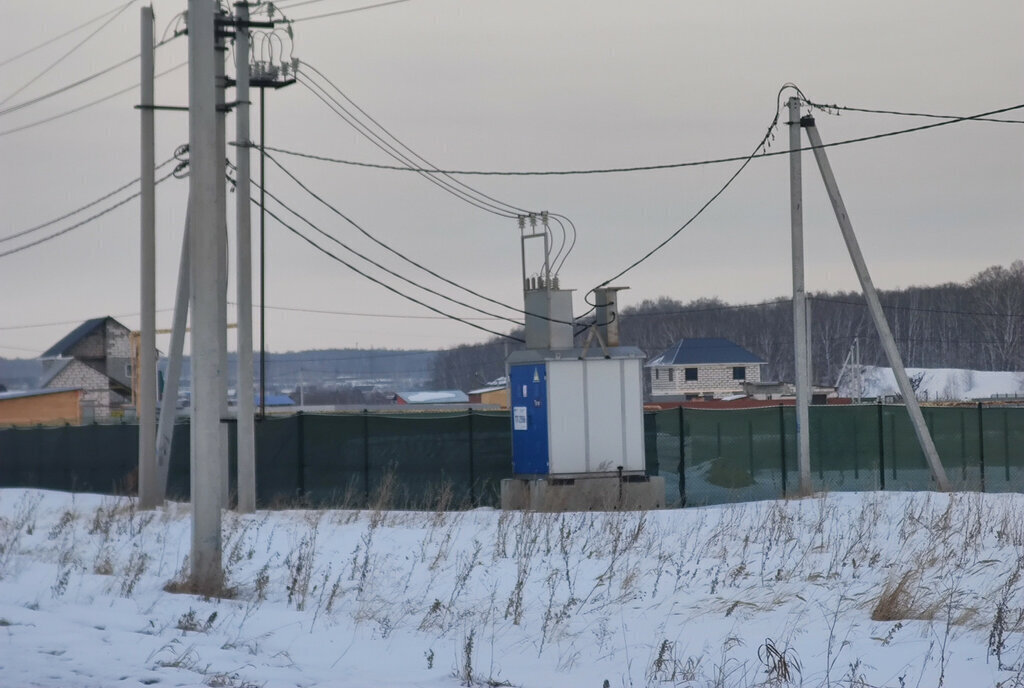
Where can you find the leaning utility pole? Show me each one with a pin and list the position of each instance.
(206, 173)
(875, 307)
(148, 482)
(800, 330)
(245, 427)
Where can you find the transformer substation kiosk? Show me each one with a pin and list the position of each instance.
(576, 412)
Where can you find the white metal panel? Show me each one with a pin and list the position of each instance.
(567, 432)
(633, 413)
(604, 414)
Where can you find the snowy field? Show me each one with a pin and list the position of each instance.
(873, 589)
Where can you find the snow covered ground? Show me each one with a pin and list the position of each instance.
(765, 593)
(934, 384)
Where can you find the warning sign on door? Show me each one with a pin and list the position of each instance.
(519, 418)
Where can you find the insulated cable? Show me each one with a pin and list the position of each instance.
(82, 222)
(60, 59)
(373, 279)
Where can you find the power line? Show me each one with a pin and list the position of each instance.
(464, 191)
(832, 108)
(67, 54)
(635, 168)
(375, 280)
(80, 208)
(369, 260)
(81, 223)
(90, 104)
(392, 152)
(47, 42)
(397, 316)
(763, 143)
(87, 79)
(340, 12)
(917, 309)
(400, 254)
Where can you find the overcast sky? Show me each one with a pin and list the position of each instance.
(530, 85)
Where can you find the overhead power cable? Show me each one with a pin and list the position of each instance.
(402, 158)
(373, 279)
(79, 209)
(318, 311)
(47, 42)
(87, 79)
(90, 104)
(68, 53)
(377, 265)
(941, 311)
(398, 253)
(384, 139)
(834, 109)
(81, 223)
(341, 12)
(761, 145)
(635, 168)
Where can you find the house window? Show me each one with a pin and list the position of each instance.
(657, 373)
(739, 373)
(691, 374)
(671, 377)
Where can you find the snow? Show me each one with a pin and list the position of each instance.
(695, 597)
(937, 384)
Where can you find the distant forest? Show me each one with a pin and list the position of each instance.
(977, 325)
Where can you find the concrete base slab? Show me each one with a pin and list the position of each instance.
(602, 493)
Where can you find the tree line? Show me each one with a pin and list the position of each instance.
(978, 324)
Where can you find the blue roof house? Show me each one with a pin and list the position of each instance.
(703, 368)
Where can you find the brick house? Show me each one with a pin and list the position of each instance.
(705, 368)
(95, 357)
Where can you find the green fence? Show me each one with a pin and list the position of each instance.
(725, 455)
(731, 456)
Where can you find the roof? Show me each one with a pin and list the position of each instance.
(492, 388)
(276, 400)
(76, 335)
(55, 370)
(441, 396)
(35, 393)
(704, 350)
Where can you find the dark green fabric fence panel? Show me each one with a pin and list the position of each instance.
(421, 460)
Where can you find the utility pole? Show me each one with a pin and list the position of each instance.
(245, 427)
(169, 407)
(207, 172)
(148, 483)
(800, 330)
(875, 308)
(220, 51)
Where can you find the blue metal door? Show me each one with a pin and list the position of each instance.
(529, 400)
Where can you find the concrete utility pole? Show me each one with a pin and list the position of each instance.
(169, 407)
(875, 308)
(245, 427)
(207, 173)
(800, 331)
(149, 495)
(222, 255)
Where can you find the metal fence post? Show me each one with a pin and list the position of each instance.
(881, 448)
(366, 454)
(472, 476)
(981, 446)
(300, 455)
(782, 447)
(682, 459)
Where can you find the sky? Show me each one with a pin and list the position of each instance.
(526, 85)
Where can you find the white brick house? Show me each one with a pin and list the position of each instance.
(706, 368)
(95, 357)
